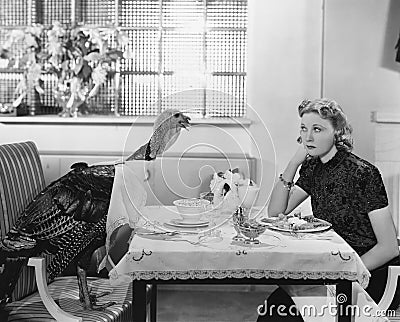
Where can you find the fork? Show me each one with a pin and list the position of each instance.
(198, 242)
(186, 240)
(155, 233)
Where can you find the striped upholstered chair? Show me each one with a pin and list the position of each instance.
(21, 179)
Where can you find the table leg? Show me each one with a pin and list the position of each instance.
(153, 303)
(343, 300)
(139, 301)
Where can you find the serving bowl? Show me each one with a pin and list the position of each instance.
(191, 210)
(251, 230)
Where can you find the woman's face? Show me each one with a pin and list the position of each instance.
(317, 135)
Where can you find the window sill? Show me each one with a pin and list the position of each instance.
(109, 120)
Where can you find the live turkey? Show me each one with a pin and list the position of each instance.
(68, 218)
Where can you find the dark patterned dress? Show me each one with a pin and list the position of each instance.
(343, 191)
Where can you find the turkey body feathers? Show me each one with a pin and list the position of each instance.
(65, 218)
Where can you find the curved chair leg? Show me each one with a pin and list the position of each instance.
(51, 306)
(391, 284)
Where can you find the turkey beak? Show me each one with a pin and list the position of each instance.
(185, 122)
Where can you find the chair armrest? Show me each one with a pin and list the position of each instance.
(56, 312)
(391, 284)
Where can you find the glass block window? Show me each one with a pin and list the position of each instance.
(47, 11)
(14, 12)
(95, 12)
(187, 54)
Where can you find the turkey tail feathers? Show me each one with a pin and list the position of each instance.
(9, 274)
(12, 260)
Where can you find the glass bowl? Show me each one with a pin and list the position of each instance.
(251, 231)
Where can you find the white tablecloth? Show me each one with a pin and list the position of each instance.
(211, 253)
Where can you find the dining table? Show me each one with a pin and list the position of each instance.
(163, 251)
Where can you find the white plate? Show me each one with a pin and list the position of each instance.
(326, 226)
(189, 222)
(185, 224)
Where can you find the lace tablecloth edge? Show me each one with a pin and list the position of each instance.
(257, 274)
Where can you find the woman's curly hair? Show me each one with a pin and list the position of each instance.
(331, 110)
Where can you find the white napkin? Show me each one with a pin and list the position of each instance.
(128, 197)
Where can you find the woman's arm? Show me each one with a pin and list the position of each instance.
(282, 199)
(386, 247)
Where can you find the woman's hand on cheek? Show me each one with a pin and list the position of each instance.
(299, 156)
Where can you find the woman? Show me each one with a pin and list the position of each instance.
(345, 190)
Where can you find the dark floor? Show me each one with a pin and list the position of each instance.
(210, 303)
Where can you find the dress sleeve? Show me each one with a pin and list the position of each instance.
(305, 179)
(372, 193)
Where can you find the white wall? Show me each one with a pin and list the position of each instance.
(118, 139)
(359, 67)
(284, 67)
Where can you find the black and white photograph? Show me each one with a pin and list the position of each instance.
(200, 160)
